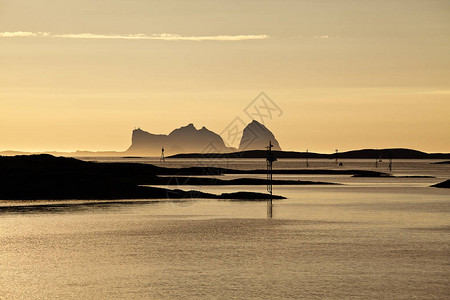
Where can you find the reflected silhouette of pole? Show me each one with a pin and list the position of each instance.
(269, 209)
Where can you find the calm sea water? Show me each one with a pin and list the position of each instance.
(370, 238)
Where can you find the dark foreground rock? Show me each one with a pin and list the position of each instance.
(45, 177)
(444, 184)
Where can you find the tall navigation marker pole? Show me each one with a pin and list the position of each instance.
(307, 162)
(162, 155)
(337, 162)
(270, 159)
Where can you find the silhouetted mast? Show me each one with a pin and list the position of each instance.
(307, 163)
(377, 160)
(270, 159)
(337, 163)
(162, 155)
(390, 164)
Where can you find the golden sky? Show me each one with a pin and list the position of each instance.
(82, 74)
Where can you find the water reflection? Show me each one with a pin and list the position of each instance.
(70, 207)
(269, 209)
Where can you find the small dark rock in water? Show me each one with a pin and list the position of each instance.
(249, 196)
(447, 162)
(445, 184)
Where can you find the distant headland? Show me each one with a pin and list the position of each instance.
(394, 153)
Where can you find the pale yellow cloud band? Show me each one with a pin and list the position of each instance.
(139, 36)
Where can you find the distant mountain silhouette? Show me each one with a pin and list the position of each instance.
(188, 139)
(185, 139)
(256, 136)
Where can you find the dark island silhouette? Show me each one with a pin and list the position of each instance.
(447, 162)
(189, 139)
(444, 184)
(46, 177)
(394, 153)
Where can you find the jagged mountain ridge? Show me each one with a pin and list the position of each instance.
(188, 139)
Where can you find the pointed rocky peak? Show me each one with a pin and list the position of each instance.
(255, 123)
(256, 136)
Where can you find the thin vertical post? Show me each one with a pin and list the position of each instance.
(162, 155)
(270, 159)
(337, 163)
(307, 162)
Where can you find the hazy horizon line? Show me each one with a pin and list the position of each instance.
(136, 36)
